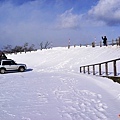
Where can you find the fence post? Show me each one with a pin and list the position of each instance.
(93, 44)
(119, 41)
(68, 46)
(93, 69)
(106, 68)
(100, 69)
(100, 43)
(84, 69)
(106, 43)
(88, 70)
(114, 67)
(80, 69)
(112, 42)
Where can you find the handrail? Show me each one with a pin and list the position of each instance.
(99, 64)
(102, 62)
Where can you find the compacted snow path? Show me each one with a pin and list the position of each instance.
(53, 89)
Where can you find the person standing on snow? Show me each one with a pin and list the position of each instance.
(104, 40)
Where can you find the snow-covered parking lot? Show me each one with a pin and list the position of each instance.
(53, 89)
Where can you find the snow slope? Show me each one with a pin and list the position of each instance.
(53, 89)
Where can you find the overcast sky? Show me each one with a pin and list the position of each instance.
(57, 21)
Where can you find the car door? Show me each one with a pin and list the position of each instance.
(13, 65)
(10, 65)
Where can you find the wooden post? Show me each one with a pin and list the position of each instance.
(93, 69)
(106, 68)
(88, 70)
(84, 69)
(119, 41)
(100, 43)
(93, 44)
(80, 69)
(106, 43)
(100, 69)
(68, 46)
(114, 68)
(112, 42)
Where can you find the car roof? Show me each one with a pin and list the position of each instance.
(5, 59)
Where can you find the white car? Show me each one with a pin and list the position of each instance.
(8, 65)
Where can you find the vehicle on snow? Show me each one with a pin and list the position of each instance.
(11, 65)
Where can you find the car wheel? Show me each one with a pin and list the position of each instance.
(2, 71)
(21, 69)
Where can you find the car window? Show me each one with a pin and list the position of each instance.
(13, 62)
(6, 62)
(9, 63)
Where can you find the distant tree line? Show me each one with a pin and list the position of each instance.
(25, 48)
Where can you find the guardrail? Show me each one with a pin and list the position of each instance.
(86, 68)
(94, 44)
(113, 42)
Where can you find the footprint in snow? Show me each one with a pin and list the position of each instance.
(83, 102)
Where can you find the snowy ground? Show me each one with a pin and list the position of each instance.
(53, 89)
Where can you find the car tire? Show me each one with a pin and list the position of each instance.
(21, 69)
(2, 70)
